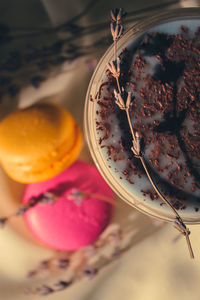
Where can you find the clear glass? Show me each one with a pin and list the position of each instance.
(127, 192)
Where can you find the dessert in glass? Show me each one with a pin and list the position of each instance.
(160, 68)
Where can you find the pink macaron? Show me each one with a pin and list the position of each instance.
(70, 222)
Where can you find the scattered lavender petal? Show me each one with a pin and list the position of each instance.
(46, 290)
(116, 253)
(63, 263)
(62, 284)
(44, 265)
(90, 271)
(31, 273)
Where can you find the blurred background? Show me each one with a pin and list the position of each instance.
(48, 51)
(41, 38)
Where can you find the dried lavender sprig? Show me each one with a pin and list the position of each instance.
(85, 268)
(178, 223)
(79, 195)
(136, 149)
(45, 289)
(43, 198)
(50, 198)
(54, 263)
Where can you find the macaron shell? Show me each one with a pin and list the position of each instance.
(67, 224)
(27, 174)
(37, 130)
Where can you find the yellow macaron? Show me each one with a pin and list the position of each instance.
(38, 142)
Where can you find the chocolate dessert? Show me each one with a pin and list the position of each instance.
(163, 74)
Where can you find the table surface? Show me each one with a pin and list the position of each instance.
(157, 266)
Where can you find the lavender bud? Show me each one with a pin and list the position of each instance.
(90, 272)
(62, 284)
(117, 14)
(3, 222)
(21, 210)
(116, 253)
(44, 265)
(63, 263)
(77, 196)
(113, 17)
(48, 198)
(46, 290)
(31, 273)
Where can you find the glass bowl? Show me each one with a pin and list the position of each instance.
(110, 169)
